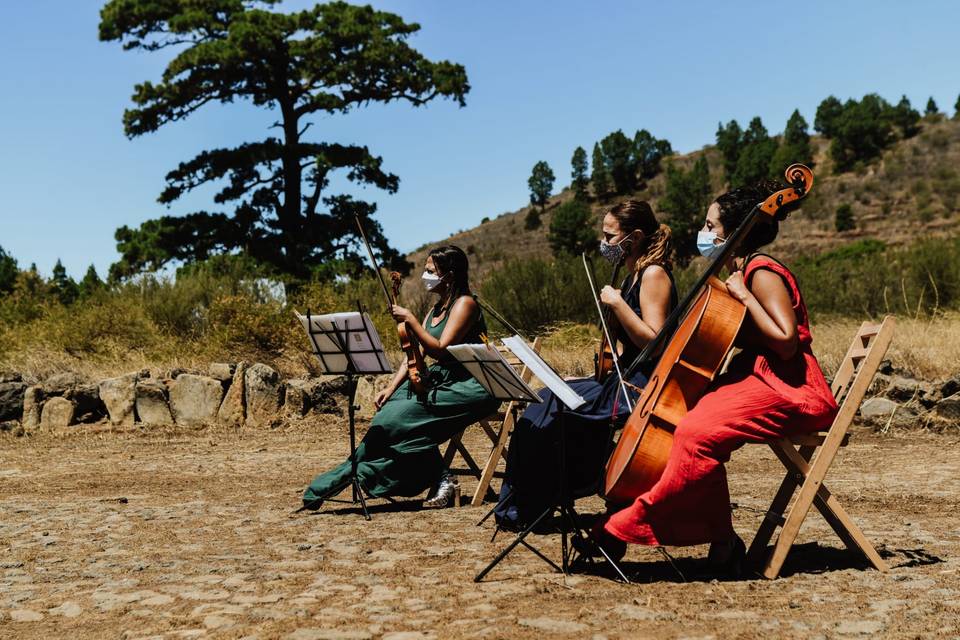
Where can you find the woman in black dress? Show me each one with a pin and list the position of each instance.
(640, 306)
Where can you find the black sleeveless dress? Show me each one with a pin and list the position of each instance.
(532, 481)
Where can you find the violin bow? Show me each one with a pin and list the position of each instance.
(486, 307)
(588, 267)
(376, 267)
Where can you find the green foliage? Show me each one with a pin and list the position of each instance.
(827, 118)
(648, 152)
(794, 147)
(618, 156)
(688, 194)
(905, 118)
(535, 294)
(756, 155)
(540, 183)
(91, 283)
(8, 272)
(956, 108)
(931, 109)
(572, 229)
(729, 143)
(532, 221)
(867, 278)
(599, 177)
(578, 174)
(326, 60)
(861, 132)
(844, 218)
(64, 287)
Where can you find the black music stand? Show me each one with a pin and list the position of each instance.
(570, 523)
(347, 344)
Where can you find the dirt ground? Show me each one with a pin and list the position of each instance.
(180, 534)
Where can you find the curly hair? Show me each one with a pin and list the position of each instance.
(638, 214)
(737, 203)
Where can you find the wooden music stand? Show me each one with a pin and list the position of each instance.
(808, 457)
(497, 427)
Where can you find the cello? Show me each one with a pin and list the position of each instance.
(697, 337)
(416, 366)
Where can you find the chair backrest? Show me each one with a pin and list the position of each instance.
(859, 365)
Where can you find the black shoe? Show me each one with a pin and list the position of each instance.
(727, 559)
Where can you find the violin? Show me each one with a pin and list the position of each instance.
(416, 367)
(603, 359)
(698, 335)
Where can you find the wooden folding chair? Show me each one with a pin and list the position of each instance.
(809, 456)
(498, 437)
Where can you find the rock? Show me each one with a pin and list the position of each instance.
(86, 397)
(221, 371)
(231, 411)
(328, 634)
(25, 615)
(57, 412)
(950, 386)
(151, 402)
(296, 401)
(367, 389)
(949, 408)
(68, 609)
(904, 389)
(32, 405)
(877, 408)
(120, 395)
(885, 367)
(10, 376)
(263, 394)
(553, 625)
(879, 384)
(59, 384)
(11, 399)
(195, 399)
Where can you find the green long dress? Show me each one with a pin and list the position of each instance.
(399, 455)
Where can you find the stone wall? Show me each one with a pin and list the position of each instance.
(239, 395)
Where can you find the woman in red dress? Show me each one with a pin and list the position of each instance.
(773, 388)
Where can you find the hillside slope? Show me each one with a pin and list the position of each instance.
(912, 191)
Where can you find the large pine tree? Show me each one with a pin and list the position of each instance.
(578, 174)
(308, 65)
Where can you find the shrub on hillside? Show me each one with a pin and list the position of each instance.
(572, 229)
(844, 218)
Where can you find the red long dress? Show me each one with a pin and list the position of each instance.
(760, 397)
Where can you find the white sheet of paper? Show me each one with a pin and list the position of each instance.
(544, 373)
(500, 379)
(351, 325)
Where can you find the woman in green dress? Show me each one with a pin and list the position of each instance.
(400, 455)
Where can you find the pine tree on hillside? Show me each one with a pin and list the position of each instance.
(828, 116)
(905, 118)
(91, 283)
(648, 151)
(861, 132)
(794, 147)
(8, 272)
(63, 285)
(931, 109)
(572, 230)
(618, 154)
(599, 177)
(578, 174)
(729, 143)
(956, 109)
(756, 155)
(844, 218)
(540, 183)
(685, 201)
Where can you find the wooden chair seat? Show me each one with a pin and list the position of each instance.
(808, 457)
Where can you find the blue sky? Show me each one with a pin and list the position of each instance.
(545, 76)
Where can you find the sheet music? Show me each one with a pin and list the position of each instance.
(493, 372)
(327, 333)
(544, 372)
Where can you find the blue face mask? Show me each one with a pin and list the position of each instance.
(706, 244)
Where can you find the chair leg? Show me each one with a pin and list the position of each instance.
(813, 491)
(486, 476)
